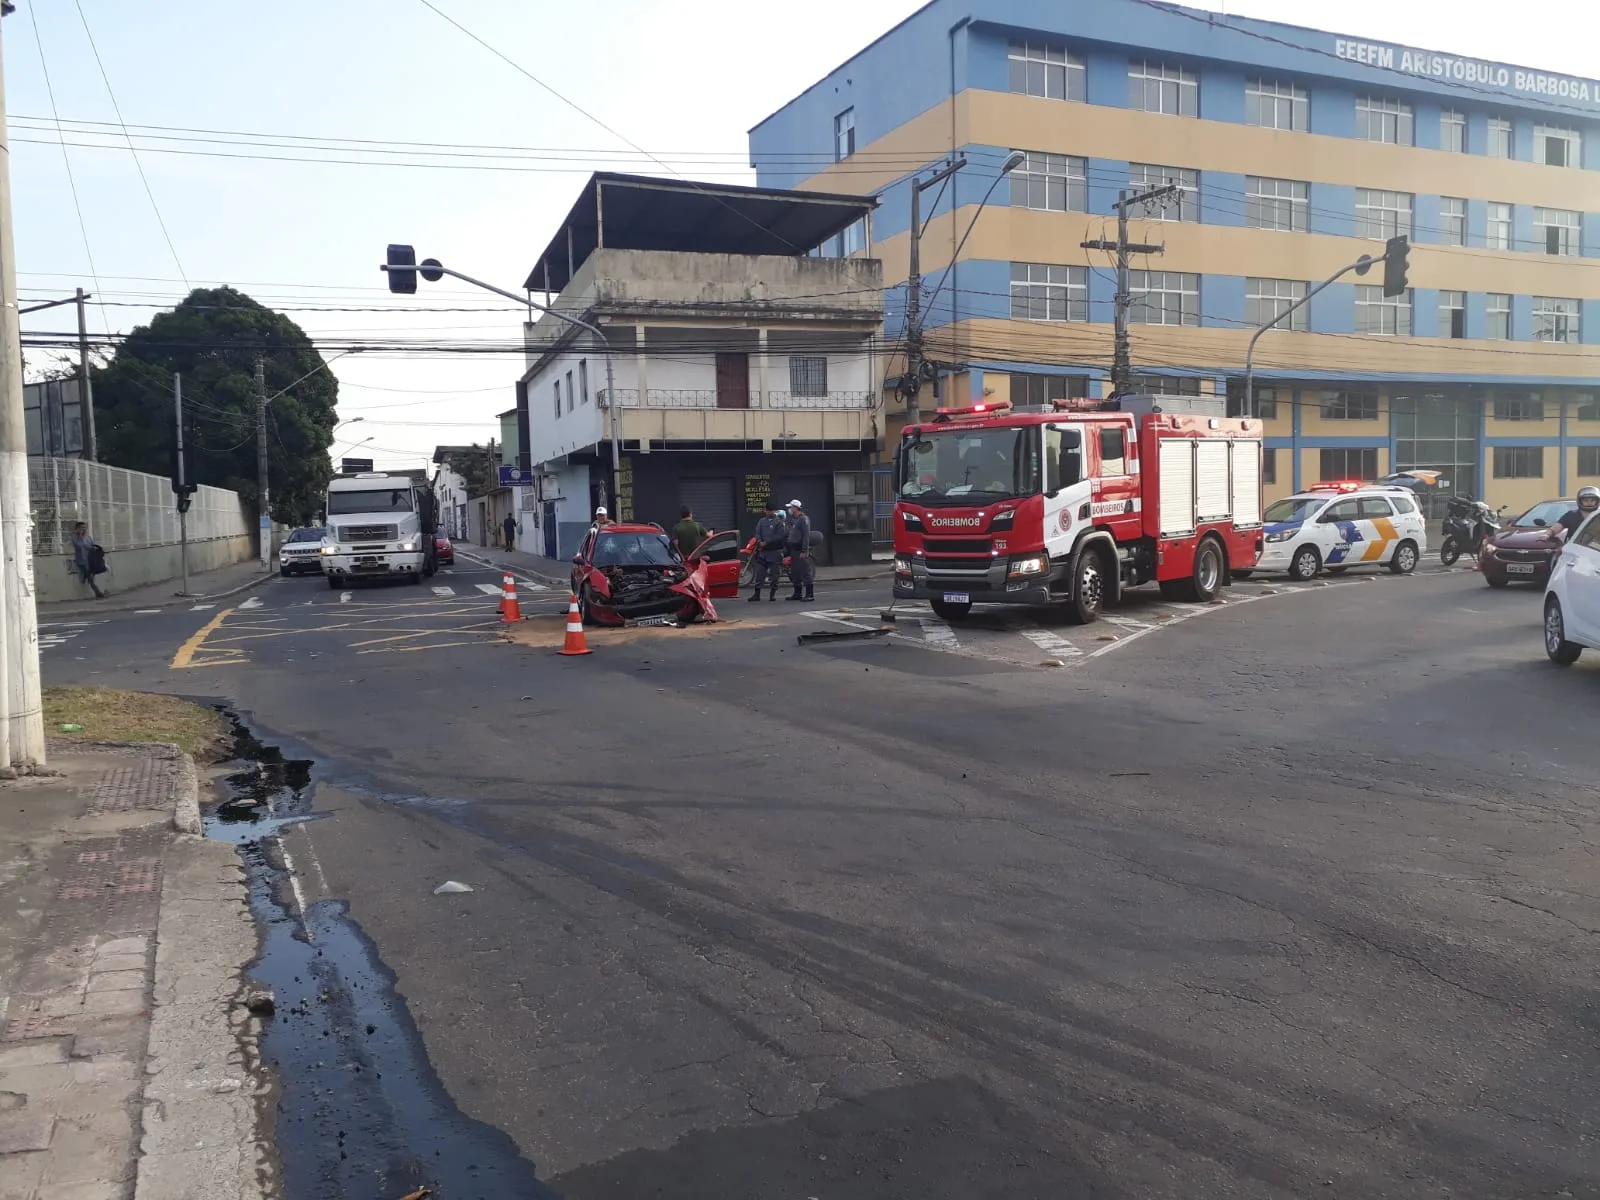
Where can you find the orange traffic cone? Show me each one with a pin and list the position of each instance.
(575, 643)
(510, 610)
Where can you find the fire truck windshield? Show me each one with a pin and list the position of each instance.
(958, 466)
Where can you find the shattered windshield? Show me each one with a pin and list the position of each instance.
(634, 550)
(980, 465)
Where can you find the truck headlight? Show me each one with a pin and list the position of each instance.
(407, 547)
(902, 564)
(1032, 564)
(1281, 535)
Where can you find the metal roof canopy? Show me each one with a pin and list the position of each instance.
(640, 212)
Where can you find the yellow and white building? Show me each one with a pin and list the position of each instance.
(1296, 151)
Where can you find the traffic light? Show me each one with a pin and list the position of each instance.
(1396, 259)
(183, 484)
(402, 269)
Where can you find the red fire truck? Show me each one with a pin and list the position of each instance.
(1068, 505)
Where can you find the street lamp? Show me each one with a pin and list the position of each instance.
(347, 421)
(403, 268)
(911, 381)
(354, 445)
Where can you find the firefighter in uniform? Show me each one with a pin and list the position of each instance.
(771, 533)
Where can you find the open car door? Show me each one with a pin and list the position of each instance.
(720, 553)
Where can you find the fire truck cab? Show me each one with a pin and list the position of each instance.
(1070, 505)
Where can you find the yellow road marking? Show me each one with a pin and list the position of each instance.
(185, 655)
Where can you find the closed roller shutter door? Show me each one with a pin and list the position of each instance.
(711, 500)
(1212, 481)
(1177, 485)
(1247, 483)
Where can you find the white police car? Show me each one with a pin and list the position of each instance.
(1336, 526)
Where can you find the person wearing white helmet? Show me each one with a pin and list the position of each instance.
(797, 541)
(1588, 502)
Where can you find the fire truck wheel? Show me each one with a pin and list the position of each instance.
(1088, 588)
(945, 610)
(1207, 572)
(1306, 564)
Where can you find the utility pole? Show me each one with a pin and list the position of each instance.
(23, 717)
(261, 462)
(91, 442)
(181, 470)
(916, 364)
(1121, 362)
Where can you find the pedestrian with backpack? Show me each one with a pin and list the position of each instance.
(88, 558)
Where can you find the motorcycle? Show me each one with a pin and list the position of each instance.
(1468, 524)
(747, 564)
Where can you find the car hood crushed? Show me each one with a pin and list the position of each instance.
(622, 594)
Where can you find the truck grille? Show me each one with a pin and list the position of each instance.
(976, 566)
(936, 545)
(369, 533)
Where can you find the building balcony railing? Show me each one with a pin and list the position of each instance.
(703, 398)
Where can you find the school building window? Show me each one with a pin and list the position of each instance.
(1266, 401)
(1557, 147)
(1164, 298)
(1557, 231)
(1499, 137)
(1185, 206)
(1276, 104)
(1589, 461)
(1381, 214)
(1049, 292)
(1348, 462)
(1556, 319)
(1498, 234)
(1265, 299)
(1163, 88)
(1453, 131)
(1519, 462)
(1518, 408)
(1269, 465)
(1497, 306)
(1036, 391)
(1453, 220)
(1384, 316)
(1282, 204)
(1384, 120)
(1452, 314)
(844, 135)
(1166, 385)
(1053, 72)
(1051, 182)
(1585, 408)
(1349, 406)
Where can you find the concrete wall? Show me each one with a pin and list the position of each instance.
(54, 579)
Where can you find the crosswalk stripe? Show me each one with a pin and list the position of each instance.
(201, 607)
(939, 633)
(1052, 643)
(488, 589)
(444, 591)
(253, 602)
(344, 597)
(140, 612)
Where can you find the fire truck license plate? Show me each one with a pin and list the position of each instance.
(957, 598)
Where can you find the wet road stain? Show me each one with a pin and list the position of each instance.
(361, 1113)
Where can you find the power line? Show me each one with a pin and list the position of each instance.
(117, 108)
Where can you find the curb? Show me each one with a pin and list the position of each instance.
(186, 794)
(78, 608)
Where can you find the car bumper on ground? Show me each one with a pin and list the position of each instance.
(372, 565)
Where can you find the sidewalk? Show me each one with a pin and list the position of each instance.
(559, 574)
(121, 949)
(208, 585)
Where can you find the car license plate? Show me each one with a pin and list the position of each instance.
(640, 622)
(1519, 568)
(957, 598)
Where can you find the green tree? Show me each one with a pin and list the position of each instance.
(476, 468)
(212, 339)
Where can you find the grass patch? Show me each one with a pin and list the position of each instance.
(110, 715)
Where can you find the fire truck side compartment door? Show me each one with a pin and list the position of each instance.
(1176, 459)
(1213, 480)
(1246, 483)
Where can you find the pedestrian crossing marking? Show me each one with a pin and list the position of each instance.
(489, 589)
(444, 591)
(253, 602)
(1052, 643)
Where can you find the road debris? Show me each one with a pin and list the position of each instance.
(451, 888)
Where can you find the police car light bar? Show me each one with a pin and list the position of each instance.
(1337, 485)
(976, 410)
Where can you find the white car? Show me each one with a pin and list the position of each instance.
(1337, 526)
(1572, 597)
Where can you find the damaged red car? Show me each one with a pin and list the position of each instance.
(630, 573)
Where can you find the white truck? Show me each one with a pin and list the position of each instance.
(379, 527)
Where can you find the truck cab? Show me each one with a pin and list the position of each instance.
(379, 526)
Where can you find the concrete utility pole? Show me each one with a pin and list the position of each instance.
(21, 715)
(91, 442)
(1121, 362)
(182, 479)
(916, 363)
(261, 461)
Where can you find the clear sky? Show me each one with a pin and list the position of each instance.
(684, 79)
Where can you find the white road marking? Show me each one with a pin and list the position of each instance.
(142, 612)
(444, 591)
(202, 607)
(1052, 643)
(253, 602)
(488, 589)
(59, 633)
(938, 633)
(1125, 622)
(344, 597)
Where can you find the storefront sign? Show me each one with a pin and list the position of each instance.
(757, 491)
(1472, 71)
(625, 491)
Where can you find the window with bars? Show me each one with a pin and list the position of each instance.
(1276, 104)
(1519, 462)
(844, 135)
(808, 374)
(1453, 220)
(1453, 131)
(1381, 214)
(1519, 408)
(1383, 316)
(1557, 147)
(1160, 87)
(1499, 138)
(1349, 406)
(1588, 462)
(1558, 231)
(1049, 292)
(1498, 233)
(1039, 390)
(1556, 319)
(1265, 299)
(1452, 314)
(1164, 298)
(1497, 307)
(1052, 182)
(1185, 206)
(1381, 119)
(1348, 462)
(1050, 71)
(1282, 204)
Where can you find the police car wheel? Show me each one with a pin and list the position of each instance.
(1306, 564)
(1561, 652)
(1404, 559)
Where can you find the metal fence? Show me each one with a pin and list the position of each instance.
(125, 510)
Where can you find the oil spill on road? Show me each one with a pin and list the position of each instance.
(361, 1114)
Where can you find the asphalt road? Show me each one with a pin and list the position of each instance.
(1289, 895)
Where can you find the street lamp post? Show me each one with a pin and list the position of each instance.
(916, 364)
